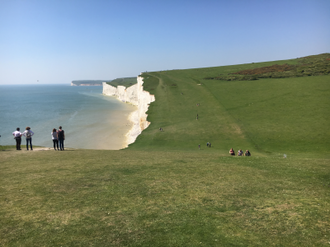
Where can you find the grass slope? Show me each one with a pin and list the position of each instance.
(164, 191)
(272, 116)
(160, 198)
(127, 82)
(90, 82)
(305, 66)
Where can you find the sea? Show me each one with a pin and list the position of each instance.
(89, 119)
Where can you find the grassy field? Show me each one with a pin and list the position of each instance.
(300, 67)
(165, 191)
(267, 116)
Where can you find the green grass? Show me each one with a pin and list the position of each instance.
(91, 82)
(164, 191)
(305, 66)
(133, 198)
(267, 116)
(126, 82)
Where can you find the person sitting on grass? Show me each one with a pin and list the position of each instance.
(247, 153)
(232, 152)
(240, 153)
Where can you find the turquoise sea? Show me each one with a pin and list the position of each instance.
(90, 120)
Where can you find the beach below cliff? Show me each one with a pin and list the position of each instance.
(115, 129)
(136, 96)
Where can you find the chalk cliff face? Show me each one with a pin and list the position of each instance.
(136, 96)
(87, 82)
(72, 84)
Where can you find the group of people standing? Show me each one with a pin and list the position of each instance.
(28, 133)
(58, 137)
(239, 153)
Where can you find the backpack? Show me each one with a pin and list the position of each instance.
(28, 134)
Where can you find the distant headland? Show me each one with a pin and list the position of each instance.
(88, 82)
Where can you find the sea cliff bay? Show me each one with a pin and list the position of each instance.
(73, 108)
(87, 82)
(134, 95)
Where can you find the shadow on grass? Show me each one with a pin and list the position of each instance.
(7, 148)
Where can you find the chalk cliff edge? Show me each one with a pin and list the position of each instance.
(134, 95)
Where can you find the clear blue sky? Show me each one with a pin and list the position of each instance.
(57, 41)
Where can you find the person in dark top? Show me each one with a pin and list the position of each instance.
(232, 152)
(61, 137)
(247, 153)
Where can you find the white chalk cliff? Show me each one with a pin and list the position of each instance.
(73, 84)
(136, 96)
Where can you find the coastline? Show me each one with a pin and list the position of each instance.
(134, 95)
(90, 119)
(132, 118)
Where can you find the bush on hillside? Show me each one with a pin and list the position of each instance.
(306, 66)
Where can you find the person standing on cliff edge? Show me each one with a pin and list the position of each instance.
(61, 137)
(28, 133)
(55, 139)
(17, 136)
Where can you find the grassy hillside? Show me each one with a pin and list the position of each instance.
(162, 198)
(300, 67)
(268, 116)
(165, 191)
(126, 81)
(90, 82)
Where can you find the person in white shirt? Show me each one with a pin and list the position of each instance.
(17, 136)
(28, 135)
(55, 139)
